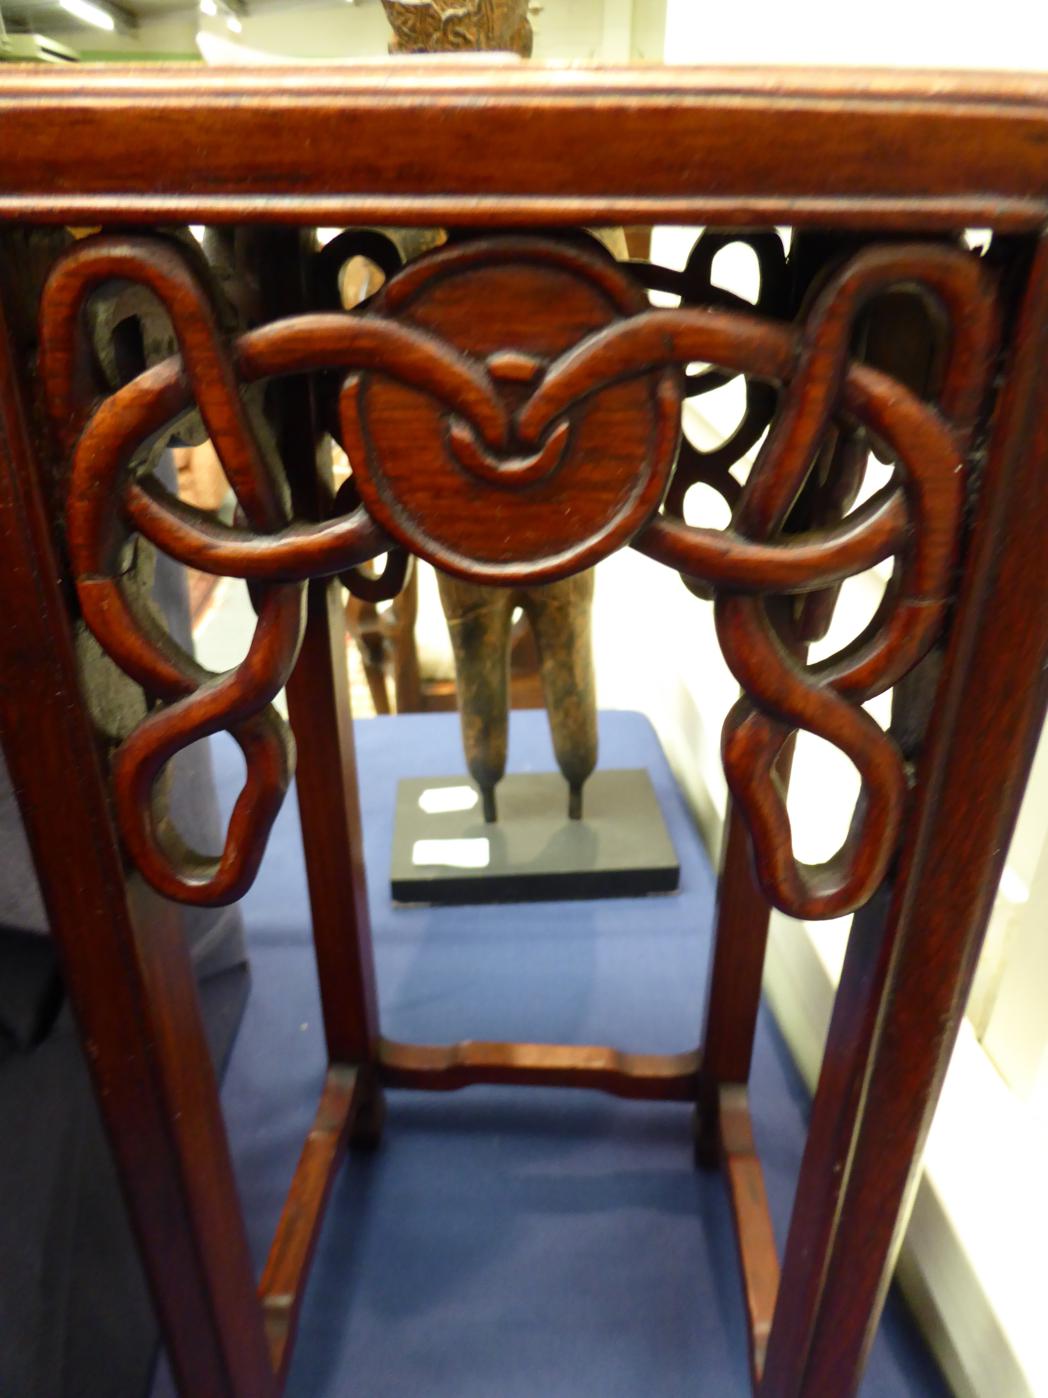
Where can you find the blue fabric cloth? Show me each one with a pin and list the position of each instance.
(513, 1242)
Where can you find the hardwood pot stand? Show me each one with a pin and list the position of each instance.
(511, 405)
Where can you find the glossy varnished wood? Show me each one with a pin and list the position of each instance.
(886, 155)
(321, 712)
(448, 1067)
(283, 1282)
(729, 1027)
(547, 437)
(124, 959)
(758, 1256)
(912, 954)
(102, 440)
(273, 145)
(505, 498)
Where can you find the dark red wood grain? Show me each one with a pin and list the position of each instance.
(544, 399)
(340, 147)
(447, 1068)
(513, 500)
(758, 1257)
(912, 956)
(283, 1283)
(124, 959)
(530, 370)
(321, 712)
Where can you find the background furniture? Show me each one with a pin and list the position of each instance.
(967, 621)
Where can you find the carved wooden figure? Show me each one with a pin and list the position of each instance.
(440, 26)
(480, 620)
(511, 405)
(478, 300)
(479, 617)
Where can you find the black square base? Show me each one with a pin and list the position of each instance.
(619, 849)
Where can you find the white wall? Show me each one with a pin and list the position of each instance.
(319, 31)
(894, 33)
(581, 31)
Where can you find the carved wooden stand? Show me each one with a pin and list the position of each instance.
(511, 407)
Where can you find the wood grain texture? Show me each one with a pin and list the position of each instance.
(197, 703)
(694, 284)
(544, 400)
(272, 145)
(283, 1282)
(449, 1067)
(780, 695)
(320, 707)
(910, 960)
(892, 158)
(758, 1257)
(733, 990)
(124, 959)
(506, 498)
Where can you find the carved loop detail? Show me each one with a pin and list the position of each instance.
(514, 445)
(196, 703)
(780, 694)
(511, 494)
(369, 586)
(695, 286)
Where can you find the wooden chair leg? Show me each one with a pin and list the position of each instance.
(910, 962)
(126, 963)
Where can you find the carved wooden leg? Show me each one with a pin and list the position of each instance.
(560, 615)
(733, 995)
(479, 624)
(320, 709)
(912, 954)
(126, 965)
(740, 940)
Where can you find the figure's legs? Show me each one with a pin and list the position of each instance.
(560, 615)
(479, 624)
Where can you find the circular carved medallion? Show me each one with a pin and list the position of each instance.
(461, 478)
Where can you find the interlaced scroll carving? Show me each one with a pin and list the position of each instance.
(694, 285)
(107, 504)
(918, 523)
(511, 410)
(508, 497)
(326, 272)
